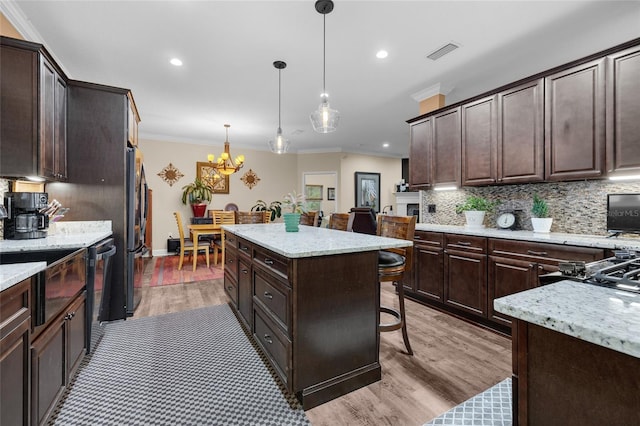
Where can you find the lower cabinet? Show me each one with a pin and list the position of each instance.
(15, 326)
(55, 355)
(464, 274)
(465, 278)
(245, 305)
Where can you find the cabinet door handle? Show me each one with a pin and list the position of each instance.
(245, 271)
(268, 339)
(230, 261)
(268, 261)
(229, 288)
(417, 237)
(464, 243)
(244, 248)
(537, 253)
(268, 295)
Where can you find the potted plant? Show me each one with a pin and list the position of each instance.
(275, 207)
(540, 220)
(196, 193)
(474, 209)
(297, 203)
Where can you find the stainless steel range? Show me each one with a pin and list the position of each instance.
(621, 272)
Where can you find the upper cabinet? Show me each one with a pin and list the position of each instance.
(574, 122)
(132, 121)
(434, 157)
(520, 133)
(623, 112)
(33, 112)
(479, 140)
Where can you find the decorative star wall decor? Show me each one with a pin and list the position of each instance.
(170, 174)
(250, 179)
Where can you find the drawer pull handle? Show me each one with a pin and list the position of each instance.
(537, 253)
(245, 271)
(268, 339)
(230, 261)
(464, 243)
(244, 248)
(417, 237)
(229, 288)
(268, 261)
(268, 295)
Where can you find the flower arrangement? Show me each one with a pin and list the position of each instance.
(296, 202)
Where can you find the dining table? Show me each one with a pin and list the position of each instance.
(196, 230)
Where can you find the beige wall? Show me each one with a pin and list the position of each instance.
(279, 174)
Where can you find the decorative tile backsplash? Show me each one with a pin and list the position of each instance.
(576, 207)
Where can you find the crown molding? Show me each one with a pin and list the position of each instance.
(436, 89)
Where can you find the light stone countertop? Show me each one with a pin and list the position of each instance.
(552, 237)
(13, 274)
(311, 241)
(67, 235)
(599, 315)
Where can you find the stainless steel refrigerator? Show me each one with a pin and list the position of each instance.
(137, 207)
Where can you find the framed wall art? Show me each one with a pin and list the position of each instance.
(367, 189)
(313, 192)
(331, 194)
(208, 174)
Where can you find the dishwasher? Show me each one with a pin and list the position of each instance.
(98, 289)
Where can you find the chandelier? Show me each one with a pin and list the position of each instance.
(225, 165)
(325, 119)
(279, 145)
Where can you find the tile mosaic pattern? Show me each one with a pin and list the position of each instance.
(189, 368)
(489, 408)
(576, 207)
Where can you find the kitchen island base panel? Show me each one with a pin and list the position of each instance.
(562, 380)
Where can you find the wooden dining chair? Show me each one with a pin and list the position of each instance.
(249, 217)
(309, 218)
(186, 245)
(220, 218)
(392, 265)
(341, 221)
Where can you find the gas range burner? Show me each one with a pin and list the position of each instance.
(623, 275)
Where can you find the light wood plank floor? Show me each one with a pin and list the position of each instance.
(453, 360)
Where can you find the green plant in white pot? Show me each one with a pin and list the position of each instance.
(540, 220)
(474, 209)
(297, 204)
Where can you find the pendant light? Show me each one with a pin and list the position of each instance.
(324, 119)
(279, 145)
(225, 165)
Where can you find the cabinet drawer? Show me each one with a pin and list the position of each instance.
(231, 288)
(274, 297)
(271, 261)
(14, 307)
(275, 344)
(431, 239)
(466, 243)
(244, 248)
(543, 252)
(230, 240)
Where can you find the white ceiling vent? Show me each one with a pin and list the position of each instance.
(441, 51)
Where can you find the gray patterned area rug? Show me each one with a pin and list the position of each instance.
(489, 408)
(189, 368)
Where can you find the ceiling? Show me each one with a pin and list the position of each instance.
(228, 48)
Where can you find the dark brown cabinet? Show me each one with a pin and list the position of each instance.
(33, 112)
(479, 139)
(428, 265)
(520, 144)
(508, 276)
(575, 122)
(245, 293)
(421, 140)
(15, 325)
(465, 273)
(445, 154)
(55, 354)
(623, 112)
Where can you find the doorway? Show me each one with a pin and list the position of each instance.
(321, 190)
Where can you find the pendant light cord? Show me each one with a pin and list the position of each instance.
(279, 91)
(324, 55)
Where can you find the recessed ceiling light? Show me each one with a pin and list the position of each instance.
(385, 145)
(177, 62)
(382, 54)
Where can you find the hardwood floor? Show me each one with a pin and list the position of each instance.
(453, 360)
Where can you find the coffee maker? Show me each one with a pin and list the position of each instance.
(25, 215)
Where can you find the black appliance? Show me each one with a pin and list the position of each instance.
(623, 213)
(620, 272)
(26, 217)
(137, 206)
(98, 286)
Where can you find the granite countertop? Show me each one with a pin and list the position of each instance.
(13, 274)
(599, 315)
(552, 237)
(311, 241)
(63, 235)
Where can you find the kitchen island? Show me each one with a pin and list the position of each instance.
(310, 299)
(576, 355)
